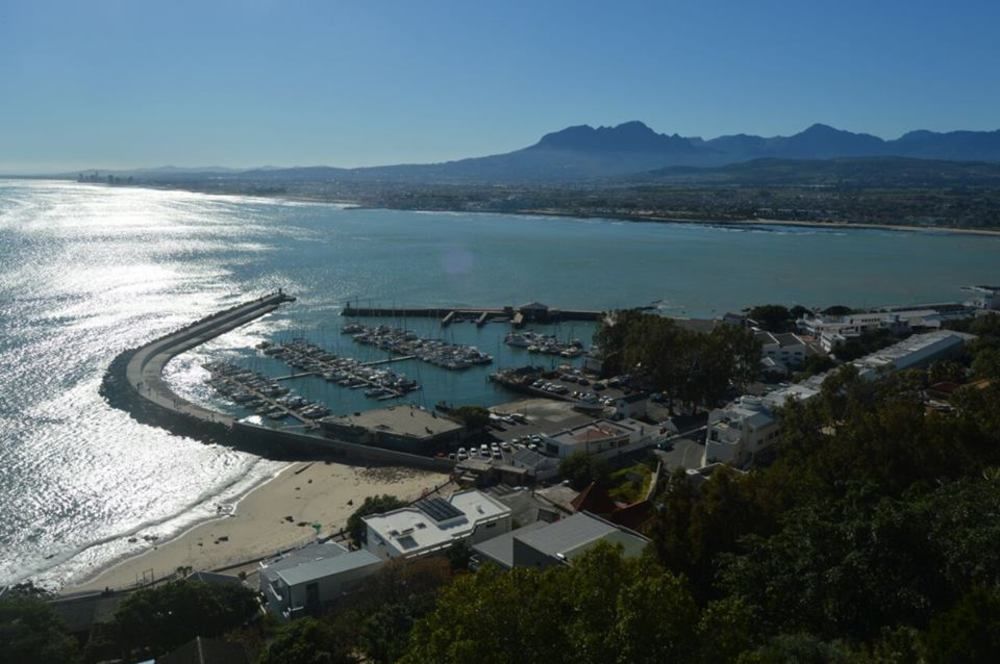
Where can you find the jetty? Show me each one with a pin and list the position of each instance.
(134, 383)
(144, 370)
(532, 312)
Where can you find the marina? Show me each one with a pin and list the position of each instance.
(403, 342)
(313, 360)
(261, 395)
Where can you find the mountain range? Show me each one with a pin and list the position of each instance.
(583, 152)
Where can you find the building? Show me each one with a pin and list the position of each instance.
(547, 544)
(631, 405)
(405, 428)
(835, 330)
(786, 349)
(750, 424)
(539, 466)
(534, 312)
(302, 582)
(601, 437)
(434, 524)
(985, 297)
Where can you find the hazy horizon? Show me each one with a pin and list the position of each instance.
(123, 86)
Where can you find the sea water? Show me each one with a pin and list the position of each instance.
(87, 272)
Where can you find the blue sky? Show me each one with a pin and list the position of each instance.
(117, 84)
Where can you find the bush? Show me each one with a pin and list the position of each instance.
(372, 505)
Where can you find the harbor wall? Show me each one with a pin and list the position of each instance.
(157, 405)
(339, 450)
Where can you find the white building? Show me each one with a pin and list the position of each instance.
(601, 438)
(786, 349)
(985, 297)
(435, 524)
(834, 330)
(302, 582)
(748, 425)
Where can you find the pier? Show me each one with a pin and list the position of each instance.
(530, 313)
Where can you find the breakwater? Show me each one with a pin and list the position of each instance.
(134, 383)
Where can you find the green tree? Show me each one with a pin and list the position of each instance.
(30, 631)
(356, 528)
(772, 317)
(987, 364)
(968, 632)
(581, 469)
(475, 418)
(309, 641)
(163, 618)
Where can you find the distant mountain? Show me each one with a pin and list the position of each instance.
(885, 172)
(583, 152)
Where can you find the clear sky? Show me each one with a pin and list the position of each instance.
(120, 84)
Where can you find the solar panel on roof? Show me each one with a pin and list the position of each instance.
(438, 509)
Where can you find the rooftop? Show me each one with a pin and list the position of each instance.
(592, 432)
(500, 549)
(429, 524)
(573, 535)
(405, 420)
(324, 567)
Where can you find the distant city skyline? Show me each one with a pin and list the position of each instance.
(117, 85)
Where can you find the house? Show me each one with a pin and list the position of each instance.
(539, 466)
(787, 349)
(434, 524)
(750, 424)
(631, 405)
(559, 543)
(304, 581)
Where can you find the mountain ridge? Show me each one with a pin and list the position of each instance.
(583, 152)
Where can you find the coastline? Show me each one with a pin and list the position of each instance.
(543, 212)
(320, 492)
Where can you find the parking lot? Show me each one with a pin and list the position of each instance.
(519, 425)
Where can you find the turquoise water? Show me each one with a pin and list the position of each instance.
(87, 272)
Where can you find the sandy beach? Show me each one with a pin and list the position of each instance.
(308, 493)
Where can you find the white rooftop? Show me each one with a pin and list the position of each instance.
(429, 523)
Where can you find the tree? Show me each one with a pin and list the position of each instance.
(474, 417)
(30, 631)
(373, 505)
(581, 469)
(968, 632)
(987, 364)
(388, 604)
(163, 618)
(309, 641)
(771, 317)
(601, 608)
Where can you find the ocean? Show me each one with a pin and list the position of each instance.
(88, 271)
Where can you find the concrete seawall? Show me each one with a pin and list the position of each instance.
(134, 383)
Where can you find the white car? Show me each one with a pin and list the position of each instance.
(505, 446)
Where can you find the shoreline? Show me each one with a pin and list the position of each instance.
(320, 492)
(836, 225)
